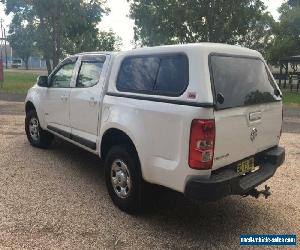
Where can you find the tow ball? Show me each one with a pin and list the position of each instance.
(256, 194)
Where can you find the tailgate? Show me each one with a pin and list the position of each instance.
(248, 113)
(242, 132)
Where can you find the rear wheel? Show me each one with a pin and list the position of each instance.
(123, 178)
(35, 134)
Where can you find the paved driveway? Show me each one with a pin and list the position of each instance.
(56, 199)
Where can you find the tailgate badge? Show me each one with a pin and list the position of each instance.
(253, 134)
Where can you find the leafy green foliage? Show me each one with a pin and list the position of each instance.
(61, 26)
(104, 41)
(261, 34)
(187, 21)
(21, 38)
(287, 32)
(108, 41)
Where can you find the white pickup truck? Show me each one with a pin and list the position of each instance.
(202, 119)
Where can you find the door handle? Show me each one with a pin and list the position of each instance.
(92, 101)
(64, 98)
(255, 116)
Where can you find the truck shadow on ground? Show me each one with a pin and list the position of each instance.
(172, 212)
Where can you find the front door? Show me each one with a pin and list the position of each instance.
(57, 97)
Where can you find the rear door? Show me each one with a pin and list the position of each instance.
(248, 111)
(85, 99)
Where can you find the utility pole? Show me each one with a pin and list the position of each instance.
(1, 24)
(1, 60)
(5, 49)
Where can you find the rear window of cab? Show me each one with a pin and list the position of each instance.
(241, 81)
(166, 75)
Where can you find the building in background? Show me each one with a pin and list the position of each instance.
(34, 62)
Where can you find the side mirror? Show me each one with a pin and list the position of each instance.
(277, 92)
(42, 81)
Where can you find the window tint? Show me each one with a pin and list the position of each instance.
(62, 78)
(138, 74)
(241, 81)
(89, 74)
(172, 76)
(156, 75)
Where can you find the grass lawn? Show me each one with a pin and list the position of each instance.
(291, 98)
(18, 82)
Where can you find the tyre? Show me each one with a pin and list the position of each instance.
(35, 134)
(123, 178)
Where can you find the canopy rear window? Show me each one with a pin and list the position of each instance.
(241, 81)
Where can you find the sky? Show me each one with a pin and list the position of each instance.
(122, 25)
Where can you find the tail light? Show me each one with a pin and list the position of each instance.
(202, 143)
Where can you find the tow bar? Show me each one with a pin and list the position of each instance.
(255, 193)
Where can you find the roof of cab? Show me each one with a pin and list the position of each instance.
(205, 47)
(96, 53)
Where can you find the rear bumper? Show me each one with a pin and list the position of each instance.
(226, 181)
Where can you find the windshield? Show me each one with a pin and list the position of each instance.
(241, 81)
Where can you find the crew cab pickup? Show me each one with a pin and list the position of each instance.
(202, 119)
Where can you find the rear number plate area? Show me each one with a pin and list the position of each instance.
(246, 166)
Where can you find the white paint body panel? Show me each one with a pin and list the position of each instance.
(56, 105)
(160, 131)
(85, 106)
(233, 129)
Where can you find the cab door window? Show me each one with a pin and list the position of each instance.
(89, 74)
(62, 78)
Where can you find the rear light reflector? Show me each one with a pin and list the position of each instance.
(202, 143)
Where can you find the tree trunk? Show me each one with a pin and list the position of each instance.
(26, 63)
(48, 64)
(55, 59)
(57, 36)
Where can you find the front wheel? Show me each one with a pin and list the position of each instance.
(123, 178)
(35, 134)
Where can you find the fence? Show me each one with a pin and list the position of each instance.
(290, 83)
(33, 63)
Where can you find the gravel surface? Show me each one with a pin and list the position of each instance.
(57, 199)
(12, 97)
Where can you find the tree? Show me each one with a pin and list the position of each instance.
(21, 39)
(260, 35)
(187, 21)
(94, 41)
(108, 41)
(287, 32)
(59, 24)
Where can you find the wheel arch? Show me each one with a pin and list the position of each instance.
(33, 103)
(29, 106)
(112, 137)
